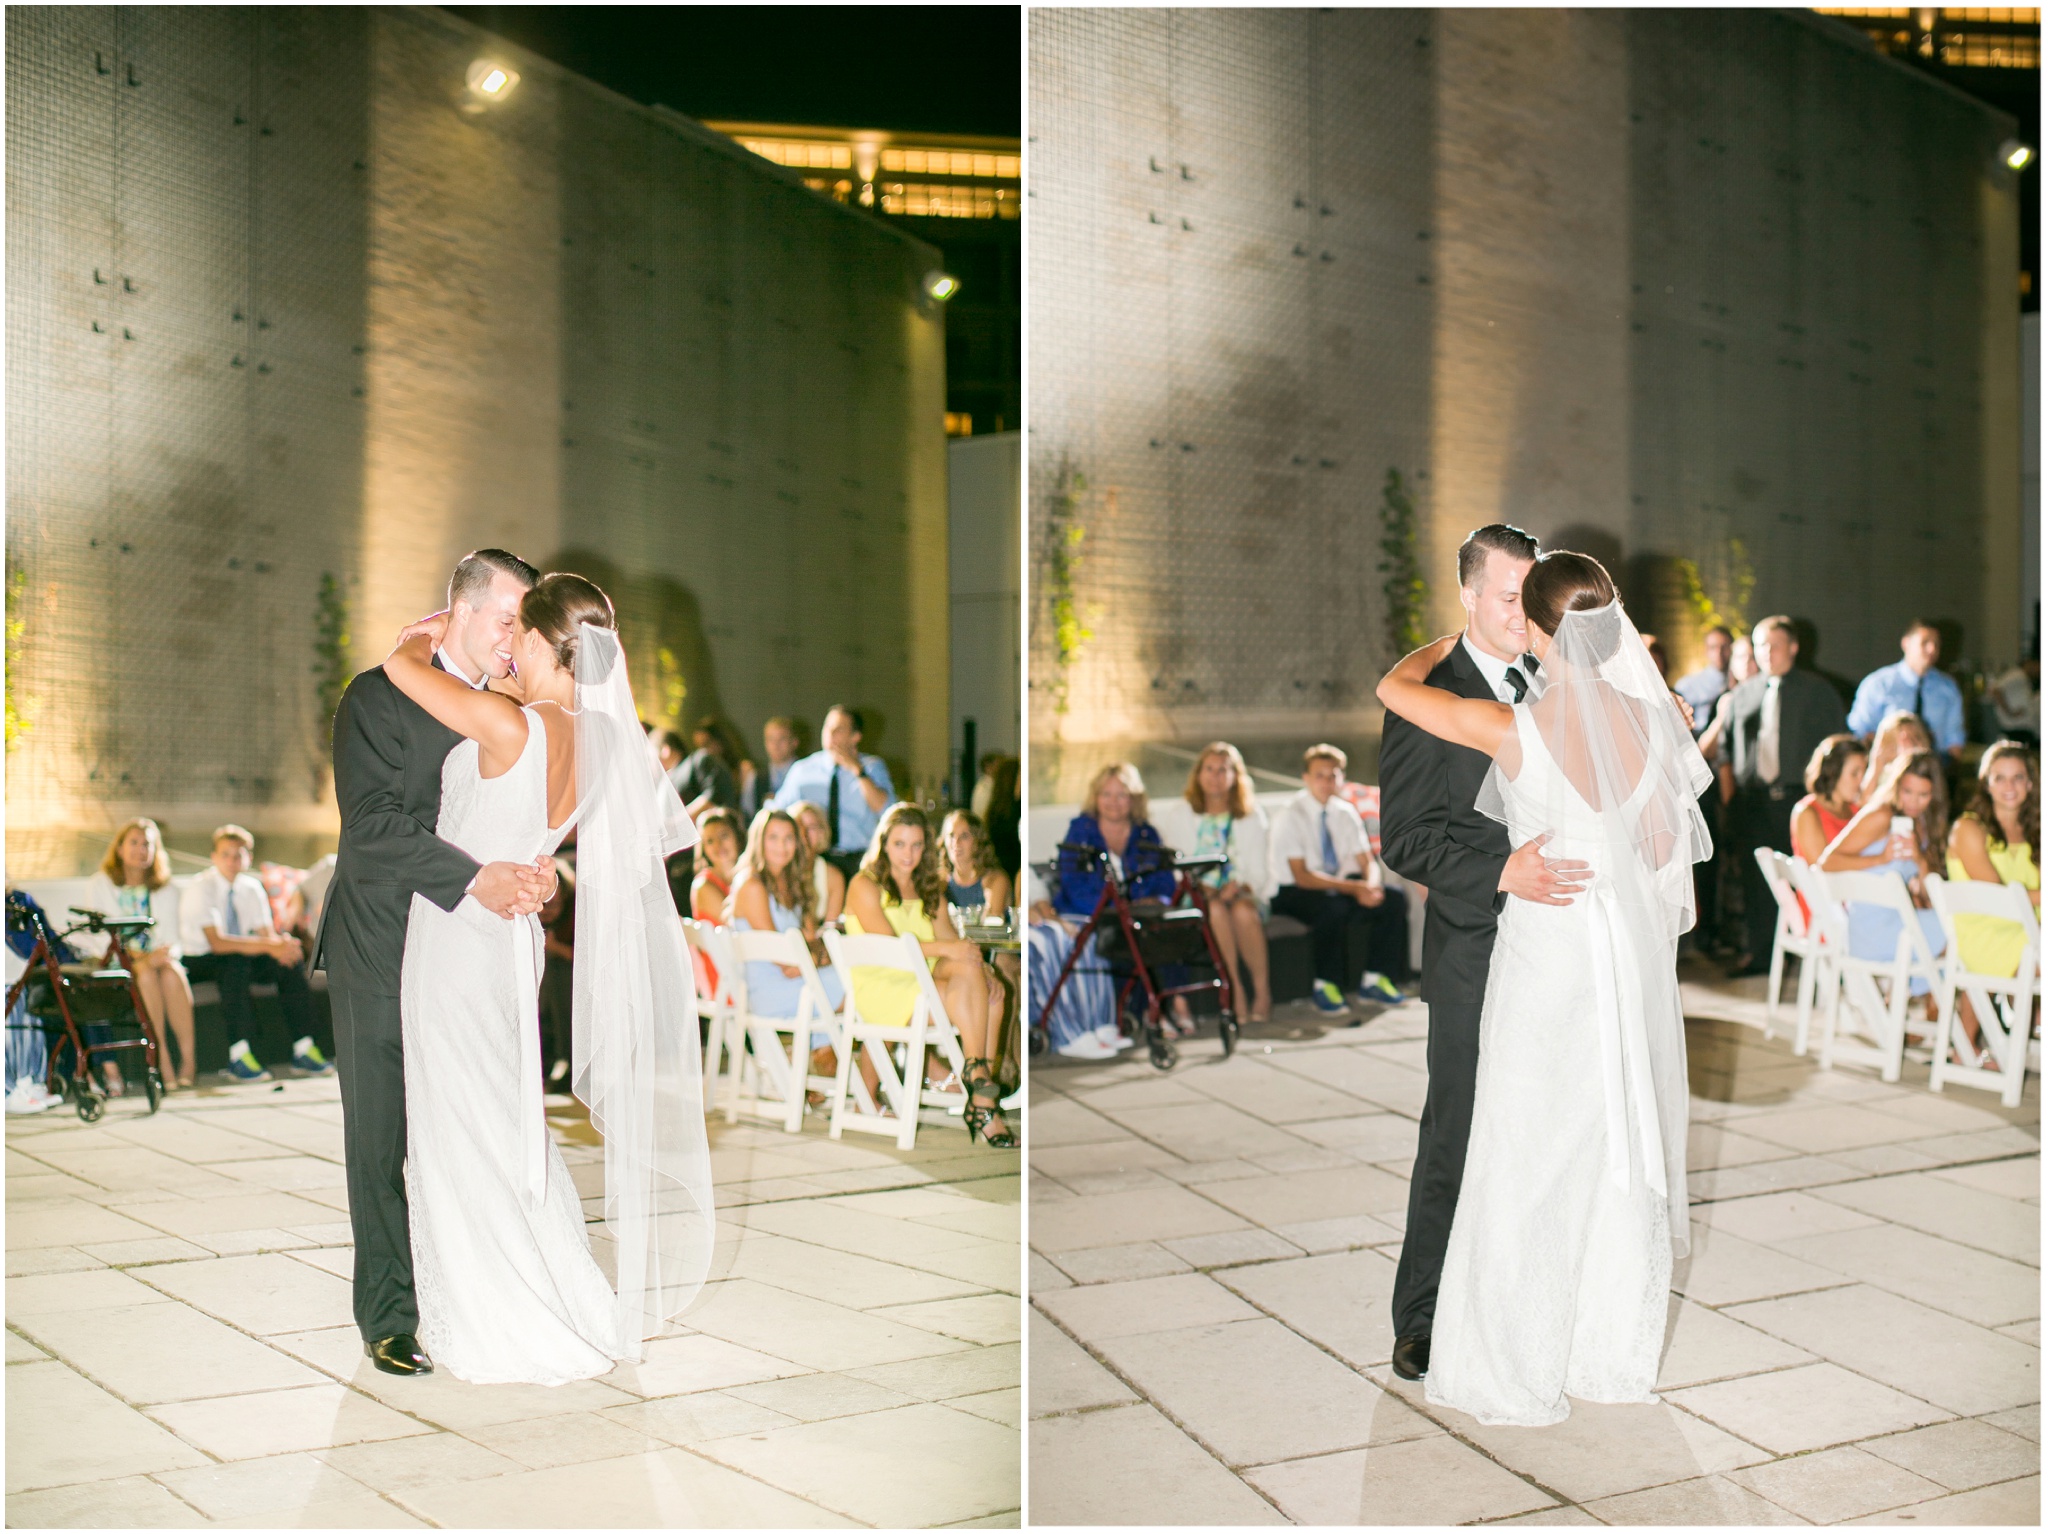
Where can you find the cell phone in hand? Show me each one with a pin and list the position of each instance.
(1902, 825)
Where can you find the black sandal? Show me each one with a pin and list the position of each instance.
(976, 1076)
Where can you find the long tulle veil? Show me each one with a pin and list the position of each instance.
(636, 1059)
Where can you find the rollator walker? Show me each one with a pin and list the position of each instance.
(69, 1002)
(1145, 942)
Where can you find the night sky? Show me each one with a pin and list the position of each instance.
(934, 69)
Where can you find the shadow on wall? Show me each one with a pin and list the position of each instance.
(661, 625)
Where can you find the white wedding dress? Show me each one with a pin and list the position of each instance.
(508, 1290)
(1558, 1270)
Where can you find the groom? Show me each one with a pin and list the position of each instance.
(388, 753)
(1432, 835)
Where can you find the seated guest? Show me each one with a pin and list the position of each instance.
(700, 778)
(2015, 698)
(1329, 879)
(831, 883)
(1899, 734)
(1914, 685)
(1997, 840)
(717, 736)
(558, 975)
(1834, 788)
(972, 878)
(899, 889)
(1114, 819)
(984, 786)
(773, 892)
(1082, 1024)
(1216, 816)
(853, 789)
(124, 889)
(782, 743)
(228, 938)
(1703, 688)
(1768, 728)
(1914, 787)
(1004, 816)
(717, 855)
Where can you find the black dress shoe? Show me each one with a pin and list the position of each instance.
(1411, 1357)
(399, 1355)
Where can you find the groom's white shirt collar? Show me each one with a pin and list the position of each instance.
(1495, 671)
(448, 665)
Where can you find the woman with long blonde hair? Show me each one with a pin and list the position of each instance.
(1216, 816)
(125, 887)
(773, 892)
(1997, 840)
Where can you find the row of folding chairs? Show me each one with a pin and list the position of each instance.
(759, 1067)
(1877, 992)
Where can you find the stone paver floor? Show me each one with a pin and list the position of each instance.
(180, 1353)
(1855, 1337)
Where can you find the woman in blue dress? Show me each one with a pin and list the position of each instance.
(1915, 788)
(774, 891)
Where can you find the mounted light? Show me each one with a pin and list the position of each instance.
(940, 286)
(492, 81)
(2017, 156)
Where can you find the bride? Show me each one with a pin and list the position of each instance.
(508, 1288)
(1557, 1275)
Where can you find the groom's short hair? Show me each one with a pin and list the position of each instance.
(1499, 537)
(473, 576)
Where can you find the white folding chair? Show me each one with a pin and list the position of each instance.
(786, 1077)
(927, 1028)
(719, 1006)
(2004, 1004)
(1878, 990)
(1795, 936)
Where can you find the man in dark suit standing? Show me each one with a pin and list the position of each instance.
(1767, 729)
(388, 753)
(1433, 835)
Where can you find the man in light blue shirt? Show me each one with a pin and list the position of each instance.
(1915, 686)
(854, 789)
(1703, 688)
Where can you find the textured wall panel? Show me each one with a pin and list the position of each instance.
(277, 308)
(1647, 282)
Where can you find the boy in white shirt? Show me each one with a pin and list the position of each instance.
(1330, 879)
(226, 931)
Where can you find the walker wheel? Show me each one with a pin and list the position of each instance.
(1163, 1053)
(1038, 1043)
(90, 1105)
(153, 1085)
(1228, 1029)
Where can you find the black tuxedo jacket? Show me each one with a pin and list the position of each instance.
(1809, 711)
(1430, 834)
(388, 753)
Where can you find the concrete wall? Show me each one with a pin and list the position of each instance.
(1645, 282)
(367, 332)
(984, 490)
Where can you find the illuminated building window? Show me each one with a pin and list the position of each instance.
(926, 179)
(959, 424)
(1978, 37)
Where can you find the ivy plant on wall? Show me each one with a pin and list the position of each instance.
(330, 651)
(20, 708)
(1065, 535)
(1735, 580)
(1404, 591)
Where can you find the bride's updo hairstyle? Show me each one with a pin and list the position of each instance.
(1563, 582)
(559, 606)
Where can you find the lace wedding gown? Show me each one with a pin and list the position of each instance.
(1558, 1270)
(508, 1290)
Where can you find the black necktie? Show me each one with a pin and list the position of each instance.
(832, 807)
(1919, 695)
(1517, 682)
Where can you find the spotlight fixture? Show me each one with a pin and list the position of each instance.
(940, 286)
(2017, 156)
(491, 81)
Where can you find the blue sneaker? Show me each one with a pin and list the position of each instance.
(246, 1067)
(1328, 999)
(307, 1059)
(1381, 991)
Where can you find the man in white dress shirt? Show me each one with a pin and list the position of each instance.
(225, 929)
(1330, 880)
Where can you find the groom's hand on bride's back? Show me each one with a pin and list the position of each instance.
(1529, 875)
(510, 889)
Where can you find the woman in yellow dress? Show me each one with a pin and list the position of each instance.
(900, 889)
(1997, 840)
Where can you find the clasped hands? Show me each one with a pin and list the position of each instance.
(515, 889)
